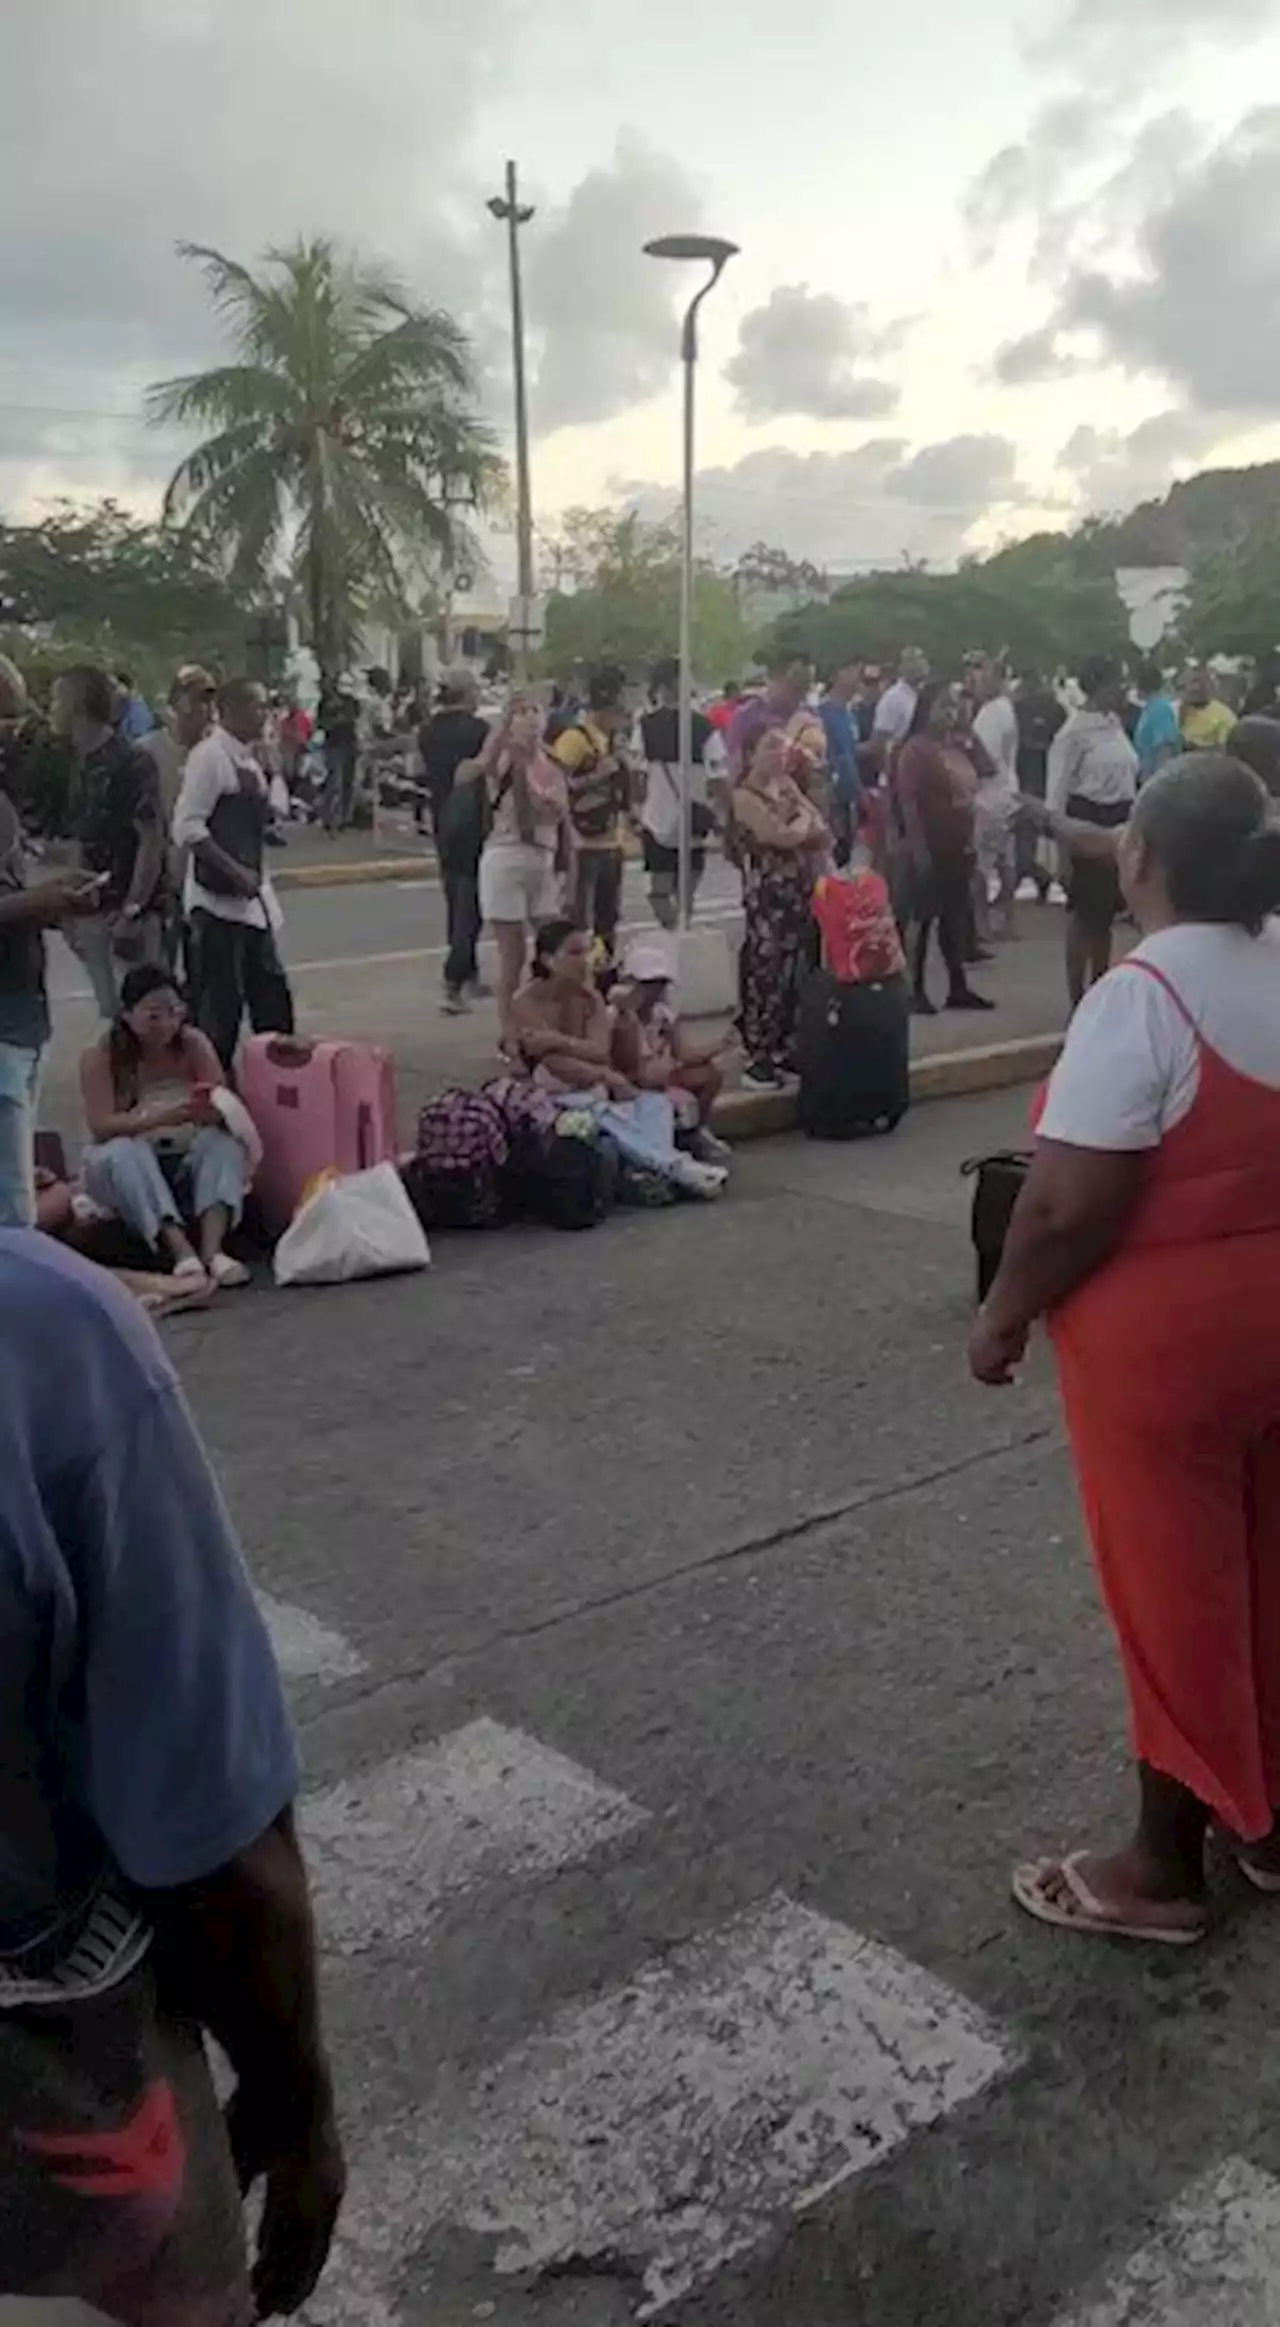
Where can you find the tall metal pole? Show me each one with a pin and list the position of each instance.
(689, 356)
(515, 217)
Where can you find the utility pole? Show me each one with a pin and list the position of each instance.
(514, 217)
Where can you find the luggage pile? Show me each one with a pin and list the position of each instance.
(853, 1035)
(510, 1151)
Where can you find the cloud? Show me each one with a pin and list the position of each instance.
(602, 314)
(802, 352)
(1200, 312)
(1113, 469)
(1036, 356)
(871, 505)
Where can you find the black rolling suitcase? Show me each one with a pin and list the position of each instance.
(852, 1050)
(999, 1184)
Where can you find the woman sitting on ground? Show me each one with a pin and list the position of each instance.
(564, 1031)
(160, 1155)
(561, 1025)
(1148, 1234)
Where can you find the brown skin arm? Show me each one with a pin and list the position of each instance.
(237, 1952)
(541, 1042)
(1067, 1221)
(209, 857)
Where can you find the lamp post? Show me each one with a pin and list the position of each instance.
(514, 216)
(715, 253)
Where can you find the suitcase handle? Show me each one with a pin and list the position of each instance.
(364, 1134)
(290, 1050)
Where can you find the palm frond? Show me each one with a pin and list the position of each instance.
(228, 395)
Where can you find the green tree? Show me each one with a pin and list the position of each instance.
(1030, 603)
(625, 603)
(344, 436)
(95, 583)
(1233, 600)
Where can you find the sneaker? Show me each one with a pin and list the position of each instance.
(692, 1178)
(707, 1149)
(455, 1003)
(966, 999)
(760, 1077)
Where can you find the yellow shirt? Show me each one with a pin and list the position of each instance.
(595, 800)
(1206, 726)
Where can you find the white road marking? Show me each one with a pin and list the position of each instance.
(306, 1649)
(670, 2124)
(1214, 2261)
(717, 915)
(390, 1848)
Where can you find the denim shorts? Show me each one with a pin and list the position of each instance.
(19, 1077)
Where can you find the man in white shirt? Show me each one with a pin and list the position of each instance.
(220, 824)
(995, 726)
(897, 707)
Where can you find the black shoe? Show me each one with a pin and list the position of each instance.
(964, 998)
(922, 1007)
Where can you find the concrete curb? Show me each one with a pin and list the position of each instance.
(352, 876)
(955, 1074)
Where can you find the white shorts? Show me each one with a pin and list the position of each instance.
(518, 883)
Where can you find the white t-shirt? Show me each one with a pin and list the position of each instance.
(895, 710)
(1130, 1067)
(996, 727)
(213, 769)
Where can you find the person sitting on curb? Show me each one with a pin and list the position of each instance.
(160, 1153)
(651, 1047)
(563, 1028)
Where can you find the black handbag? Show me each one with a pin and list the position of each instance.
(999, 1180)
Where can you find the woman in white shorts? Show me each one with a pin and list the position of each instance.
(526, 855)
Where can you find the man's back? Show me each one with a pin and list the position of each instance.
(131, 1639)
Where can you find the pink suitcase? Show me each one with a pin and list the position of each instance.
(319, 1106)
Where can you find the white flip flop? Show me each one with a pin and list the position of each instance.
(1090, 1916)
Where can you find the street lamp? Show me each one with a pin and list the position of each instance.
(514, 216)
(715, 253)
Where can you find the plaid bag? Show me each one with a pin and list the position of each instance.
(455, 1178)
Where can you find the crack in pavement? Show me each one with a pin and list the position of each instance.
(755, 1546)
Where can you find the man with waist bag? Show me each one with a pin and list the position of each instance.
(599, 780)
(220, 822)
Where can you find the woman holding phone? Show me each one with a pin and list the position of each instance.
(160, 1156)
(528, 841)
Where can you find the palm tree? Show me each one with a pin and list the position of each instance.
(345, 437)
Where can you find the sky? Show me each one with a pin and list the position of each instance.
(999, 267)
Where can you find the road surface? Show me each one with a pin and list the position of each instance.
(684, 1652)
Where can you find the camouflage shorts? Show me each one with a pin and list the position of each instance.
(116, 2182)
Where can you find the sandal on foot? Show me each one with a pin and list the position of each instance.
(227, 1273)
(1090, 1916)
(1263, 1878)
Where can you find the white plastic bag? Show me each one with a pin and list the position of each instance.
(360, 1226)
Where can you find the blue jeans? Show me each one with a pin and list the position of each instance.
(642, 1129)
(19, 1076)
(126, 1177)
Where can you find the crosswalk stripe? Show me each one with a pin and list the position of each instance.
(663, 2128)
(1214, 2261)
(391, 1847)
(306, 1649)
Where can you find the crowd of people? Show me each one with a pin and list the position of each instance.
(946, 782)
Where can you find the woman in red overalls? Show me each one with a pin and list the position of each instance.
(1148, 1232)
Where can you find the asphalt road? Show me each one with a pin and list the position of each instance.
(684, 1652)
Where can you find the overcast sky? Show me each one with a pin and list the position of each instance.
(999, 265)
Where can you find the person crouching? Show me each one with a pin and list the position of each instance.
(652, 1048)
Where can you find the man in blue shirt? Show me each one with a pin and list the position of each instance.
(150, 1882)
(1158, 734)
(841, 731)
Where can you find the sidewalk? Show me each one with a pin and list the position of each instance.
(315, 859)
